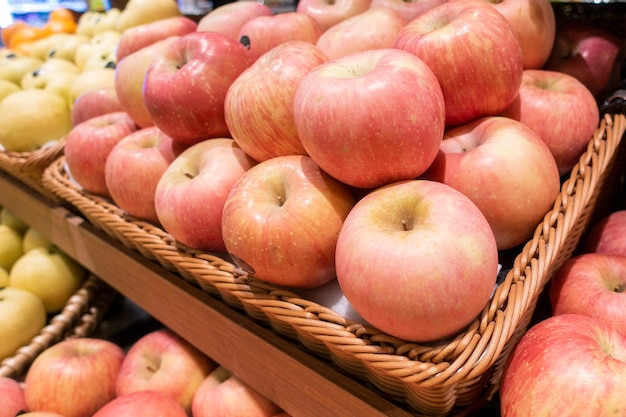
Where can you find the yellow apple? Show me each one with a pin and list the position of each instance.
(10, 247)
(97, 44)
(138, 12)
(33, 238)
(22, 316)
(13, 68)
(58, 82)
(65, 45)
(50, 274)
(7, 87)
(104, 58)
(91, 80)
(8, 218)
(38, 48)
(87, 22)
(4, 278)
(107, 21)
(31, 118)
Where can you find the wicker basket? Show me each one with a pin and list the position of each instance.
(28, 167)
(455, 377)
(80, 317)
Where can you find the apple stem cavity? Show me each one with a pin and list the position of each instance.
(619, 288)
(245, 41)
(406, 225)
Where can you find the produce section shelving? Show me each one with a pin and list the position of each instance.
(298, 382)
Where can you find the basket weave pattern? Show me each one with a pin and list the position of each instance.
(29, 167)
(453, 377)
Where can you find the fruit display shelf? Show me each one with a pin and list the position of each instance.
(455, 377)
(79, 318)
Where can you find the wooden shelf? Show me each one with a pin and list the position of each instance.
(300, 383)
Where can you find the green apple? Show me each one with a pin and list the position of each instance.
(50, 274)
(13, 67)
(138, 12)
(9, 219)
(7, 87)
(91, 80)
(23, 316)
(33, 238)
(10, 246)
(4, 278)
(31, 118)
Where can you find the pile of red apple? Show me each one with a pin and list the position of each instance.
(395, 151)
(573, 363)
(160, 374)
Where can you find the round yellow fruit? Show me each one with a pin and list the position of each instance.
(7, 87)
(31, 118)
(4, 278)
(33, 238)
(50, 274)
(10, 246)
(9, 219)
(22, 316)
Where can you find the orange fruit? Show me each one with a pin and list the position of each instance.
(61, 14)
(59, 26)
(26, 34)
(9, 31)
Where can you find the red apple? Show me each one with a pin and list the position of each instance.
(135, 166)
(74, 378)
(89, 144)
(474, 53)
(444, 257)
(534, 24)
(191, 193)
(263, 33)
(229, 18)
(375, 28)
(142, 403)
(95, 103)
(560, 109)
(281, 220)
(12, 398)
(587, 52)
(164, 362)
(330, 12)
(568, 365)
(184, 89)
(137, 37)
(347, 131)
(407, 8)
(40, 414)
(607, 235)
(505, 169)
(592, 284)
(130, 74)
(222, 394)
(259, 104)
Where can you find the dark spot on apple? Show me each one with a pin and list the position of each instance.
(245, 41)
(11, 55)
(189, 175)
(52, 53)
(110, 64)
(619, 288)
(38, 72)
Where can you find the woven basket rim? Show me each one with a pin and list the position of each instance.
(399, 368)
